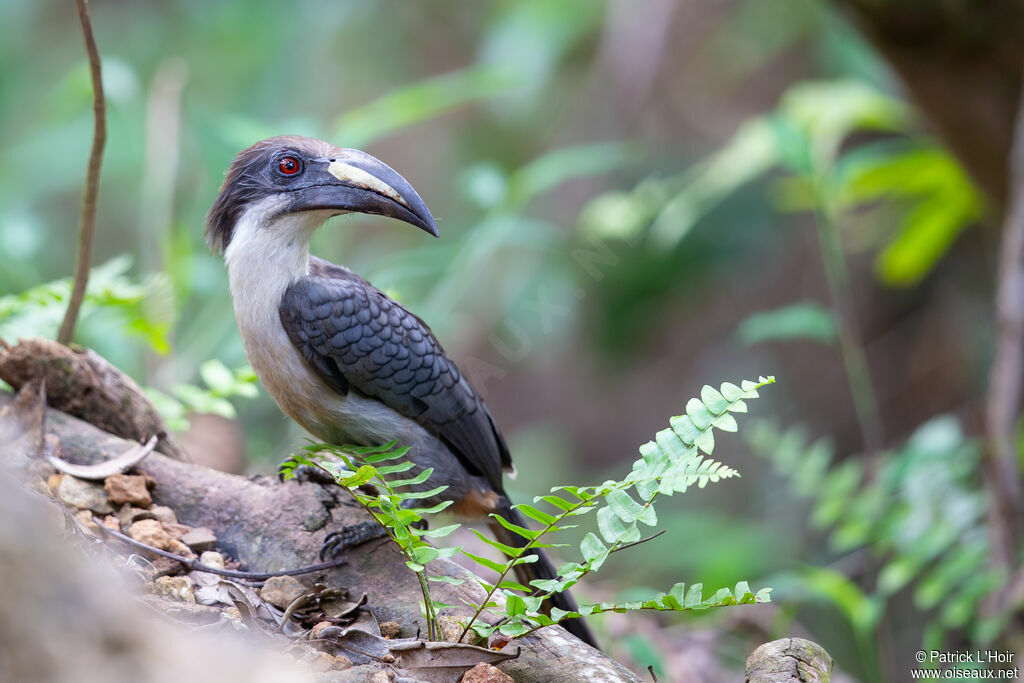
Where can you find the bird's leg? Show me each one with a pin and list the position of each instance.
(308, 474)
(337, 542)
(359, 533)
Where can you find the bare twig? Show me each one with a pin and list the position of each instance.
(196, 566)
(87, 215)
(851, 346)
(642, 540)
(1004, 394)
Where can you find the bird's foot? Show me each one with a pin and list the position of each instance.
(349, 537)
(307, 474)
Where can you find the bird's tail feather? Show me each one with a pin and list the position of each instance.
(543, 568)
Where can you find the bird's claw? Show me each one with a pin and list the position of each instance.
(307, 474)
(337, 542)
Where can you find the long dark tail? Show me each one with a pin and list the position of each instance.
(541, 569)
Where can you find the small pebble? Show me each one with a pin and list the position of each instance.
(282, 591)
(318, 629)
(320, 662)
(128, 488)
(390, 629)
(165, 566)
(164, 514)
(176, 529)
(450, 628)
(200, 539)
(151, 532)
(84, 494)
(175, 587)
(84, 518)
(486, 673)
(179, 548)
(212, 558)
(129, 514)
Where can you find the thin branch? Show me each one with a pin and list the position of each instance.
(636, 543)
(851, 347)
(196, 566)
(1007, 373)
(87, 215)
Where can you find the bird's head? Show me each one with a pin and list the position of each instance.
(288, 175)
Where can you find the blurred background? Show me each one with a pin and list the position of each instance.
(634, 200)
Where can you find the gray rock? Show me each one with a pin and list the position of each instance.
(175, 587)
(164, 514)
(213, 559)
(128, 515)
(200, 539)
(84, 494)
(282, 591)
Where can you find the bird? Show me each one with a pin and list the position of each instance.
(341, 358)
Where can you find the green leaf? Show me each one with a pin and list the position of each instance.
(418, 479)
(485, 562)
(802, 320)
(439, 532)
(684, 427)
(694, 596)
(528, 534)
(419, 495)
(441, 578)
(512, 585)
(549, 585)
(623, 505)
(705, 441)
(556, 501)
(507, 549)
(217, 376)
(538, 515)
(386, 470)
(608, 523)
(713, 400)
(424, 554)
(433, 509)
(698, 414)
(862, 611)
(423, 100)
(514, 605)
(593, 550)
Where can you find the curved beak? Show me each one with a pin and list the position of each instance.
(355, 182)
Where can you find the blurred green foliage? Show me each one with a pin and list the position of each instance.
(921, 519)
(805, 135)
(524, 125)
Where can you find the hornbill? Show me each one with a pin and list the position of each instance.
(337, 355)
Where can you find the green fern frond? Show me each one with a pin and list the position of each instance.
(922, 515)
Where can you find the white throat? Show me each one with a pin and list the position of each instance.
(266, 255)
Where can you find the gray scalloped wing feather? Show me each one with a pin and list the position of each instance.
(355, 337)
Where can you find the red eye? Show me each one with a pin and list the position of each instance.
(288, 165)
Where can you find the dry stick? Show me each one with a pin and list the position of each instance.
(87, 216)
(196, 566)
(1004, 396)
